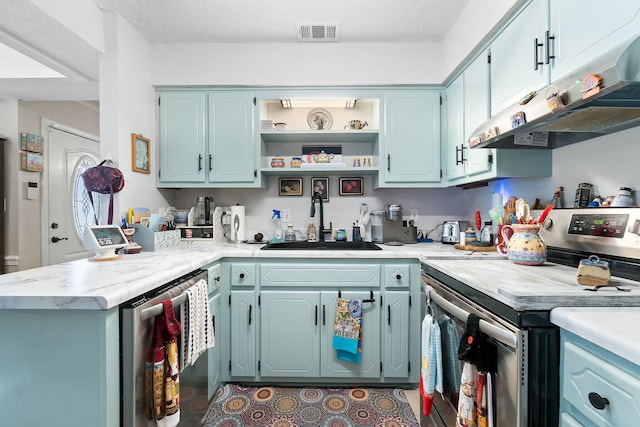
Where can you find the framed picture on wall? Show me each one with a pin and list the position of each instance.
(290, 187)
(140, 149)
(351, 186)
(321, 185)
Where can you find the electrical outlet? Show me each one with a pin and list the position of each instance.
(286, 215)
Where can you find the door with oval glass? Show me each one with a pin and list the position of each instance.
(66, 207)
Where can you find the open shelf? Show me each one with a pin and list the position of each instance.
(333, 136)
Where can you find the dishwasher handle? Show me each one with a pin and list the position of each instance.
(505, 336)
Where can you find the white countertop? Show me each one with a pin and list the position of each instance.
(540, 287)
(614, 330)
(94, 285)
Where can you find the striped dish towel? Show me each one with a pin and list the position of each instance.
(197, 334)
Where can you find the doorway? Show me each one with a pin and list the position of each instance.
(67, 209)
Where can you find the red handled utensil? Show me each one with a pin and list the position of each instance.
(478, 220)
(544, 214)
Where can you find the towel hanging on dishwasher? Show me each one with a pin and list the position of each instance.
(431, 362)
(162, 370)
(197, 328)
(346, 330)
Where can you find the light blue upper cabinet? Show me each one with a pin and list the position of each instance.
(578, 39)
(182, 137)
(518, 56)
(207, 139)
(232, 149)
(467, 108)
(411, 153)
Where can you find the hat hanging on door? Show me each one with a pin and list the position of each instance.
(105, 178)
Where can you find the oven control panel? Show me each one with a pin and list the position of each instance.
(599, 224)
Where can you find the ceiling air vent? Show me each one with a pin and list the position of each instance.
(317, 32)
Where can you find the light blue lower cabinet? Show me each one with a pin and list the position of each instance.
(282, 330)
(243, 333)
(396, 334)
(213, 353)
(597, 387)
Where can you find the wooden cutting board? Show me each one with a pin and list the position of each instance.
(472, 248)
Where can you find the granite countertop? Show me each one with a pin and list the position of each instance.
(101, 285)
(540, 287)
(614, 330)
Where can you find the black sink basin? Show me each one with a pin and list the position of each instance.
(331, 246)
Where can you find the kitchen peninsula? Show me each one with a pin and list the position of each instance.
(61, 323)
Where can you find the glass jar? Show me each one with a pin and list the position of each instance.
(341, 235)
(486, 234)
(623, 198)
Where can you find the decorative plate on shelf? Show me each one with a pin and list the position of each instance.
(319, 119)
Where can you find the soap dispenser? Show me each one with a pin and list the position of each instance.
(290, 234)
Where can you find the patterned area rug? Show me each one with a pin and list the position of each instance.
(235, 406)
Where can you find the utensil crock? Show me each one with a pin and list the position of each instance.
(524, 246)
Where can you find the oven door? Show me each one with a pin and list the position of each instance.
(509, 382)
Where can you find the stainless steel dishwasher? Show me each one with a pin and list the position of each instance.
(136, 329)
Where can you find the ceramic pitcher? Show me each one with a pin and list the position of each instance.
(524, 244)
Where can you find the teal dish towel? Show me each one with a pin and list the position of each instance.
(347, 330)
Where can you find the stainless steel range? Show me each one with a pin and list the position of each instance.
(514, 303)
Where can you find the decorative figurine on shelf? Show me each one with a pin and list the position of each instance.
(591, 84)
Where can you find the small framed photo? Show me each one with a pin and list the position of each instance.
(320, 185)
(140, 149)
(32, 143)
(290, 186)
(351, 186)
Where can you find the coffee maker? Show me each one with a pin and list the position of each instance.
(392, 228)
(204, 209)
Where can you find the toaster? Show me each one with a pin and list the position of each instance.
(451, 231)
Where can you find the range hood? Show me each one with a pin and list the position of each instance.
(616, 107)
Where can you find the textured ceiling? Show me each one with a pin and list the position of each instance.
(248, 21)
(207, 21)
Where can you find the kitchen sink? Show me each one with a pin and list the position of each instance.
(331, 246)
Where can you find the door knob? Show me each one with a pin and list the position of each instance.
(56, 239)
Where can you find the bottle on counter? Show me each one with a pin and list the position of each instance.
(486, 234)
(278, 233)
(311, 233)
(623, 199)
(290, 234)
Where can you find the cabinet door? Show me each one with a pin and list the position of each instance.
(182, 136)
(213, 353)
(412, 137)
(395, 361)
(369, 366)
(513, 57)
(232, 148)
(289, 334)
(577, 42)
(243, 333)
(455, 128)
(476, 112)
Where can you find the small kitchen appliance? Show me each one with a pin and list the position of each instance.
(204, 208)
(451, 231)
(392, 229)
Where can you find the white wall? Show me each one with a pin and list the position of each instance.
(127, 105)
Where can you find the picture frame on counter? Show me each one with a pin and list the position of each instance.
(351, 186)
(290, 186)
(320, 184)
(140, 149)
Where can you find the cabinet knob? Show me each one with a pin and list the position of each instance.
(598, 401)
(217, 278)
(398, 277)
(242, 275)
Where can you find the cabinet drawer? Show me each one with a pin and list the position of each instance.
(396, 276)
(320, 275)
(213, 278)
(583, 373)
(243, 274)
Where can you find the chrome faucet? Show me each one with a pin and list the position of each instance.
(318, 196)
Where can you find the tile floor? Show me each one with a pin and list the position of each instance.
(413, 396)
